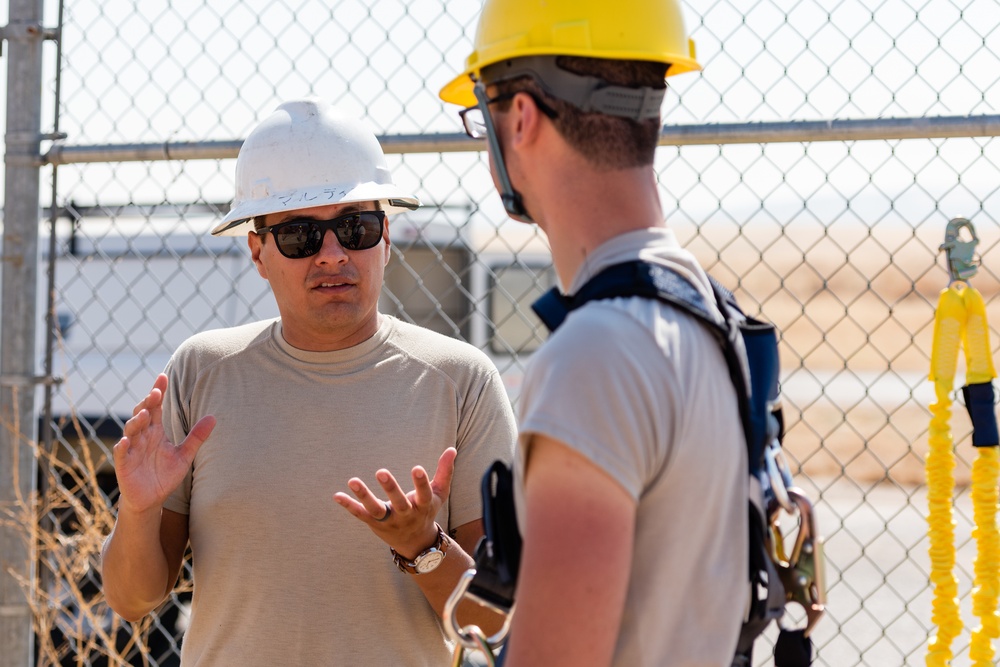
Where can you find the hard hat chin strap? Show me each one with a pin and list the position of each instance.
(511, 198)
(587, 93)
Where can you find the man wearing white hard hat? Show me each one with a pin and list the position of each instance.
(243, 440)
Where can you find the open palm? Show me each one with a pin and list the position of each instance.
(148, 466)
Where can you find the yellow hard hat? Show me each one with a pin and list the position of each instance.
(651, 30)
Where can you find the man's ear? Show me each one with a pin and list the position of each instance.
(256, 245)
(527, 117)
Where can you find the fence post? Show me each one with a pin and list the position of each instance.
(18, 317)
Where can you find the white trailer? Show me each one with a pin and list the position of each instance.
(460, 273)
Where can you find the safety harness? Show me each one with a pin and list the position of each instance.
(776, 577)
(960, 321)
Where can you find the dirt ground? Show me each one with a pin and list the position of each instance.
(855, 306)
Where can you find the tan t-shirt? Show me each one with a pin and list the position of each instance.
(642, 390)
(283, 575)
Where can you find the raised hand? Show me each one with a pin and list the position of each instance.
(148, 466)
(408, 526)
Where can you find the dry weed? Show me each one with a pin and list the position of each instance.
(64, 525)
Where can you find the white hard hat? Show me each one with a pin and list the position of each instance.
(308, 154)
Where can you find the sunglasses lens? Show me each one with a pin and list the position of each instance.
(303, 238)
(298, 239)
(360, 231)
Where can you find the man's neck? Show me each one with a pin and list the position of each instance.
(328, 339)
(594, 208)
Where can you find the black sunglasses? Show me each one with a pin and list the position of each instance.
(303, 237)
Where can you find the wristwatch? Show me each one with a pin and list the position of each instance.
(427, 560)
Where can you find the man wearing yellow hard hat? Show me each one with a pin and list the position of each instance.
(630, 478)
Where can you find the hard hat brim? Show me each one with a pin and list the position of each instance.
(237, 221)
(459, 90)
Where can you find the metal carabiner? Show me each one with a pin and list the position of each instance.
(779, 475)
(803, 571)
(464, 636)
(960, 253)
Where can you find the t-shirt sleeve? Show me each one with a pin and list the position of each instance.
(602, 386)
(175, 426)
(487, 432)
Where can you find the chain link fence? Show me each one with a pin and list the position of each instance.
(833, 237)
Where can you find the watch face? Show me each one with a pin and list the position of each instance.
(428, 561)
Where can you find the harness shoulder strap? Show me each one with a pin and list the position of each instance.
(636, 278)
(653, 281)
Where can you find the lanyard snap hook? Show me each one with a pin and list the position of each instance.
(962, 264)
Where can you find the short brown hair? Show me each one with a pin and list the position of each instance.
(608, 142)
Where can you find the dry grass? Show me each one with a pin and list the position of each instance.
(64, 526)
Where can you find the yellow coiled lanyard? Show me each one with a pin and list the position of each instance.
(960, 320)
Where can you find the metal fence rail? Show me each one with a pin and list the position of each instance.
(61, 153)
(812, 167)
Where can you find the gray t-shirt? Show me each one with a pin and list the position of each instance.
(283, 575)
(641, 389)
